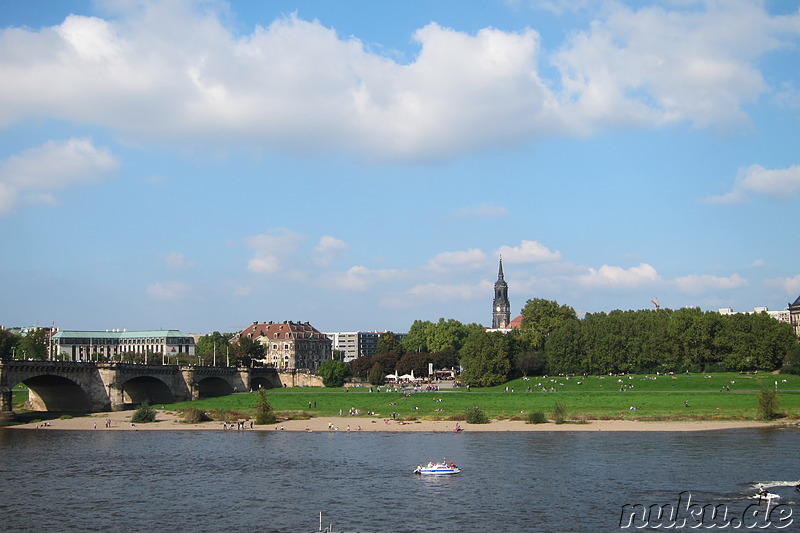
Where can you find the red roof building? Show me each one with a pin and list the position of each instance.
(290, 345)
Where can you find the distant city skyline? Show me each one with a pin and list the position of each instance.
(202, 165)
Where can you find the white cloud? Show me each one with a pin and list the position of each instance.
(778, 183)
(328, 249)
(436, 293)
(269, 249)
(608, 276)
(444, 261)
(31, 176)
(698, 284)
(790, 286)
(299, 86)
(655, 65)
(361, 278)
(168, 290)
(177, 261)
(528, 252)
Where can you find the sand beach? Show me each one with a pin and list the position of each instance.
(171, 421)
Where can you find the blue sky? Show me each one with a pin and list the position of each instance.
(359, 165)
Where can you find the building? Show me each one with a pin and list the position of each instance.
(113, 345)
(289, 345)
(781, 316)
(501, 307)
(794, 315)
(355, 344)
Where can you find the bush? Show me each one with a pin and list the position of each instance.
(194, 415)
(768, 403)
(475, 415)
(264, 413)
(143, 414)
(536, 417)
(559, 413)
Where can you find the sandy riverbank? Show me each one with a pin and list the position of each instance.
(166, 420)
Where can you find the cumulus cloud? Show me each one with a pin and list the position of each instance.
(446, 260)
(32, 176)
(168, 290)
(653, 65)
(778, 183)
(790, 286)
(608, 276)
(299, 86)
(328, 249)
(269, 249)
(528, 252)
(698, 284)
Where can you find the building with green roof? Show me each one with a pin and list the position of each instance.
(111, 345)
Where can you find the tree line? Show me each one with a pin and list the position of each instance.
(553, 340)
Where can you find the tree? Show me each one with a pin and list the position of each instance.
(768, 403)
(33, 345)
(246, 347)
(264, 412)
(529, 363)
(334, 373)
(540, 317)
(389, 344)
(485, 358)
(377, 376)
(207, 344)
(7, 341)
(792, 363)
(360, 366)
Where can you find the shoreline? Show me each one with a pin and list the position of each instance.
(171, 421)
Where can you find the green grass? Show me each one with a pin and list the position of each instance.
(660, 398)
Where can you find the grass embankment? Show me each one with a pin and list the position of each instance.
(594, 397)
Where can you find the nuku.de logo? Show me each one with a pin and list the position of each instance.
(760, 514)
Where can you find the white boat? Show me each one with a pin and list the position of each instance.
(438, 469)
(767, 496)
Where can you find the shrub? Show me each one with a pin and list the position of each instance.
(194, 415)
(264, 413)
(475, 415)
(536, 417)
(559, 413)
(143, 414)
(768, 403)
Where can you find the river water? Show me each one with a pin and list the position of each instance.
(280, 481)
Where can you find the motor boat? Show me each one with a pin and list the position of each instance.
(767, 496)
(438, 469)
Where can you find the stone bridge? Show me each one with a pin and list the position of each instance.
(89, 387)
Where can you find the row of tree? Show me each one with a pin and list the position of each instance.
(553, 340)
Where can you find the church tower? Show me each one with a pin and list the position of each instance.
(501, 308)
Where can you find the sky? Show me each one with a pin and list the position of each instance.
(201, 165)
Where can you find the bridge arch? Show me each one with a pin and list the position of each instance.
(262, 382)
(56, 393)
(146, 389)
(211, 386)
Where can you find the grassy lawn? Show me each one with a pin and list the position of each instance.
(19, 395)
(595, 397)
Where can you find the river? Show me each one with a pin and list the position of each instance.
(279, 481)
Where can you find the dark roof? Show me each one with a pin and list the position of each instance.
(796, 302)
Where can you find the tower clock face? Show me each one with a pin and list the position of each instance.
(497, 308)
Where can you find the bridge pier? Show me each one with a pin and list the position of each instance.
(6, 413)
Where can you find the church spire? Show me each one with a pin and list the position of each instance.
(501, 308)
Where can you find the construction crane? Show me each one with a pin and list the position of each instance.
(654, 301)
